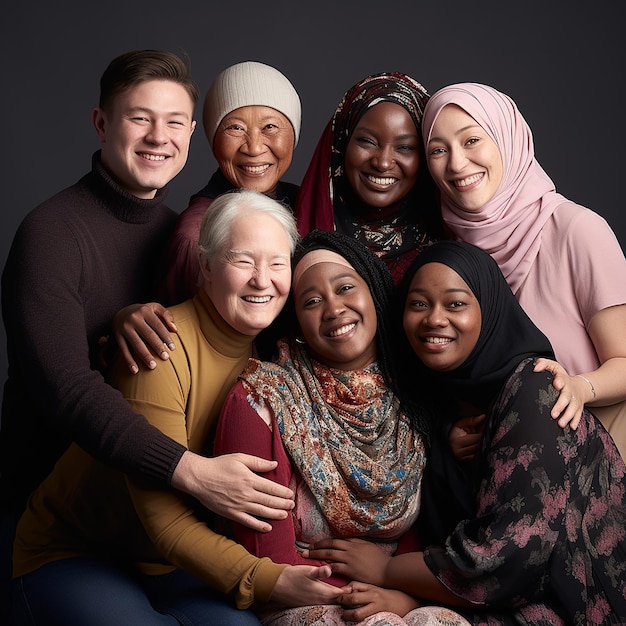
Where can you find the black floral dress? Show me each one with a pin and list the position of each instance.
(547, 541)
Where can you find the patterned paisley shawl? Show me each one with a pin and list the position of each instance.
(348, 439)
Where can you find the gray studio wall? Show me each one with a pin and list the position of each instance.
(562, 63)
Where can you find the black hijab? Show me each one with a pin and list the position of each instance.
(507, 337)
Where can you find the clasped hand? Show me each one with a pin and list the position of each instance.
(355, 559)
(364, 563)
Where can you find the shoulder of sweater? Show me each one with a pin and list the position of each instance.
(184, 312)
(79, 199)
(197, 206)
(56, 202)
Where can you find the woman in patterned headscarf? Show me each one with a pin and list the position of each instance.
(368, 176)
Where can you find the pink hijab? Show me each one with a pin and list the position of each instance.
(510, 225)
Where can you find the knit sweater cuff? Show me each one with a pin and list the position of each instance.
(264, 580)
(161, 459)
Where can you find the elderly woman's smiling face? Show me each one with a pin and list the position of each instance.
(248, 280)
(254, 147)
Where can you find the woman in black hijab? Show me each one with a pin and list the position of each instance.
(507, 337)
(533, 528)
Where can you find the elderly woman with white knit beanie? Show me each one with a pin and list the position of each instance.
(251, 116)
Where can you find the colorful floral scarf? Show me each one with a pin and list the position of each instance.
(347, 438)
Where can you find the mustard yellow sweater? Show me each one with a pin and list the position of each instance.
(86, 508)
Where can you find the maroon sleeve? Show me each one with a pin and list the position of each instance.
(183, 268)
(242, 429)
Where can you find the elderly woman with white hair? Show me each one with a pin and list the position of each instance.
(96, 547)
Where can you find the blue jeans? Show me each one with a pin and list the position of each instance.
(87, 591)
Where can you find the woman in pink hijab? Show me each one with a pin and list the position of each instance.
(562, 260)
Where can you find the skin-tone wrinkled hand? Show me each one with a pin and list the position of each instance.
(302, 585)
(575, 392)
(144, 330)
(229, 486)
(360, 600)
(465, 435)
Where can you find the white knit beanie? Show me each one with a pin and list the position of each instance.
(247, 84)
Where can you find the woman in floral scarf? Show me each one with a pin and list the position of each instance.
(349, 448)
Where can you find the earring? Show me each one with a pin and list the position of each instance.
(300, 341)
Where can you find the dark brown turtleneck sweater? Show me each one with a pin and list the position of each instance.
(75, 261)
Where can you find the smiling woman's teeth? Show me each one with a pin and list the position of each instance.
(254, 169)
(389, 180)
(468, 181)
(342, 331)
(257, 299)
(437, 340)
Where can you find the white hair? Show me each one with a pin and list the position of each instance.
(219, 217)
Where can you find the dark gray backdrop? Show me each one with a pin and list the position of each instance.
(563, 63)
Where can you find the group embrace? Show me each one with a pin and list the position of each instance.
(392, 394)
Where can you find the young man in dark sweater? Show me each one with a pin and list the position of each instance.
(75, 261)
